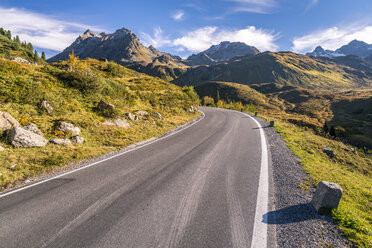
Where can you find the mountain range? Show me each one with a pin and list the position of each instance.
(355, 47)
(347, 67)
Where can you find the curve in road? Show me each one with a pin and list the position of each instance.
(196, 188)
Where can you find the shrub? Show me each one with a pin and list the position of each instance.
(207, 101)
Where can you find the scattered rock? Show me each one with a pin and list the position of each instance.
(117, 122)
(47, 107)
(7, 121)
(192, 109)
(329, 151)
(327, 196)
(157, 115)
(354, 150)
(102, 105)
(121, 123)
(33, 128)
(131, 116)
(20, 60)
(68, 127)
(77, 139)
(141, 113)
(2, 148)
(20, 137)
(61, 142)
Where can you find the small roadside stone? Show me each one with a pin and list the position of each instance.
(69, 127)
(327, 196)
(329, 151)
(33, 128)
(77, 139)
(62, 142)
(47, 107)
(157, 115)
(131, 116)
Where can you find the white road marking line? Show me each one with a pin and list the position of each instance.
(100, 161)
(259, 238)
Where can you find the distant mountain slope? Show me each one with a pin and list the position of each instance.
(355, 47)
(123, 46)
(285, 68)
(222, 52)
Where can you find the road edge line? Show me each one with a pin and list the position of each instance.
(259, 237)
(119, 153)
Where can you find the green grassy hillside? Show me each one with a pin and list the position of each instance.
(74, 88)
(284, 68)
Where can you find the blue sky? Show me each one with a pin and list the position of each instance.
(189, 26)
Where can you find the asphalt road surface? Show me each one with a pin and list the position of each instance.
(196, 188)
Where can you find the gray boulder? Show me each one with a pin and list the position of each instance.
(61, 142)
(77, 139)
(33, 128)
(327, 197)
(20, 137)
(131, 116)
(329, 151)
(67, 127)
(157, 115)
(102, 105)
(141, 113)
(7, 121)
(47, 107)
(109, 123)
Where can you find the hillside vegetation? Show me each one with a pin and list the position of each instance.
(74, 88)
(284, 68)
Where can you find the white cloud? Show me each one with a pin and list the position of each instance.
(158, 39)
(254, 6)
(201, 39)
(312, 4)
(42, 31)
(332, 38)
(178, 16)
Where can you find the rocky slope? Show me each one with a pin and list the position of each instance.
(222, 52)
(355, 47)
(284, 68)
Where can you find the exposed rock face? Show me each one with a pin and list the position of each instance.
(7, 121)
(327, 196)
(33, 128)
(69, 127)
(77, 139)
(20, 137)
(131, 116)
(225, 51)
(102, 105)
(61, 142)
(47, 107)
(21, 60)
(157, 115)
(141, 113)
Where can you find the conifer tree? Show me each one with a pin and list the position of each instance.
(43, 56)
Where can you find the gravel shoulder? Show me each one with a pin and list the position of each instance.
(296, 222)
